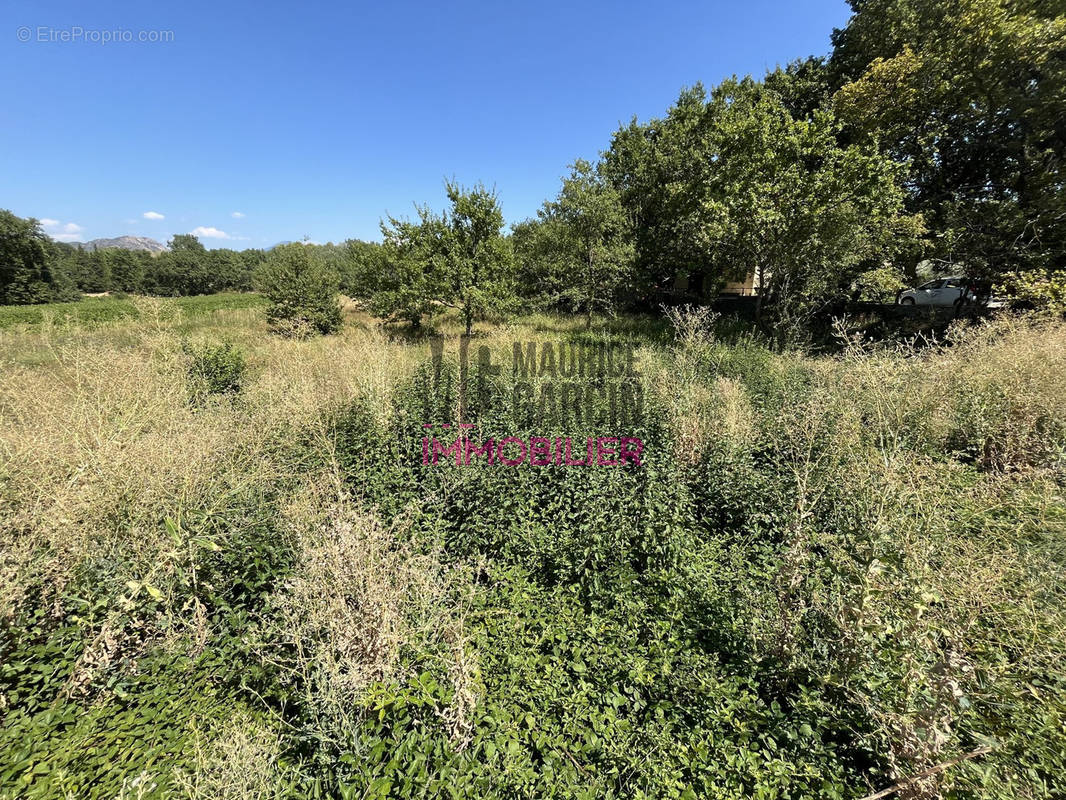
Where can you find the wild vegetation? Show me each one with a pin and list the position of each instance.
(228, 568)
(302, 292)
(228, 573)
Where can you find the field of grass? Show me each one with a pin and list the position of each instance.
(225, 571)
(92, 311)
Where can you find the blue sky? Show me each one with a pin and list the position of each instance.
(314, 119)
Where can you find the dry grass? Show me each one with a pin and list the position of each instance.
(98, 444)
(360, 594)
(238, 761)
(998, 390)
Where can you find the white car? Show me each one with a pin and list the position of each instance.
(954, 291)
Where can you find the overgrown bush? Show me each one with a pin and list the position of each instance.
(214, 369)
(303, 292)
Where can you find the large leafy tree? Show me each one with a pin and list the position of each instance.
(734, 184)
(185, 269)
(968, 95)
(651, 166)
(804, 86)
(25, 261)
(784, 198)
(226, 267)
(581, 247)
(186, 243)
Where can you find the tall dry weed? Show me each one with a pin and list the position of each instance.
(99, 446)
(361, 594)
(993, 393)
(239, 760)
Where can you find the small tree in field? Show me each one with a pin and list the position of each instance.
(458, 259)
(405, 285)
(302, 292)
(476, 258)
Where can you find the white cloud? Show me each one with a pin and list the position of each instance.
(207, 232)
(152, 215)
(237, 215)
(62, 232)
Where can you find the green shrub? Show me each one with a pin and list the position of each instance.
(1040, 290)
(302, 291)
(214, 369)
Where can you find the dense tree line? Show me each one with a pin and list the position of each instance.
(933, 134)
(39, 270)
(969, 97)
(36, 269)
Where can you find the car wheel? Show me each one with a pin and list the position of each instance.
(907, 301)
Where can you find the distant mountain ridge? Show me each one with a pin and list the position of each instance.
(123, 243)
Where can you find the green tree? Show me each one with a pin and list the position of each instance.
(458, 259)
(360, 263)
(185, 269)
(476, 258)
(735, 184)
(405, 284)
(540, 256)
(26, 260)
(250, 261)
(225, 267)
(303, 292)
(66, 270)
(125, 270)
(967, 95)
(783, 198)
(804, 86)
(592, 257)
(185, 242)
(651, 166)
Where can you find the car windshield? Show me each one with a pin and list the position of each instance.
(932, 285)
